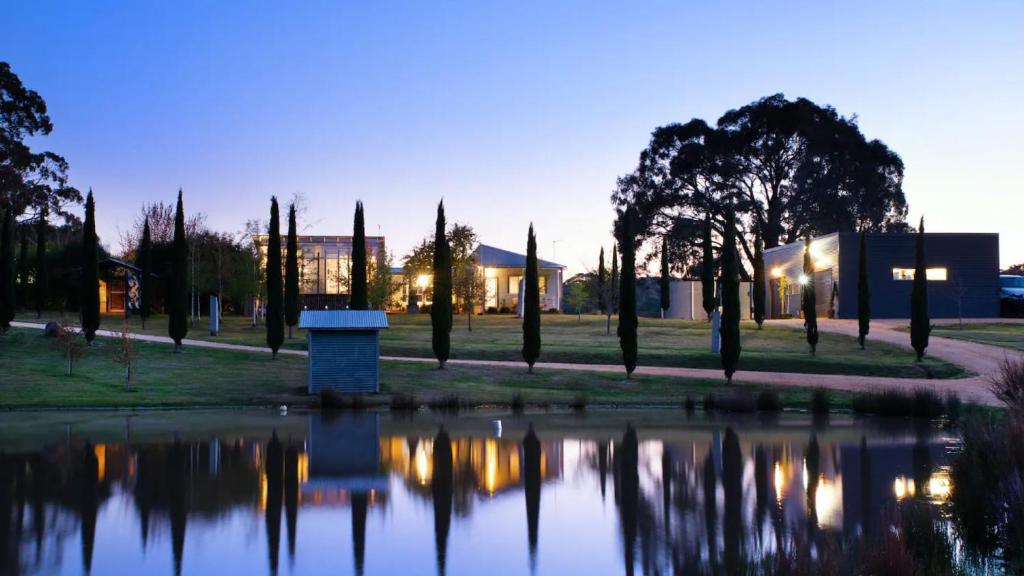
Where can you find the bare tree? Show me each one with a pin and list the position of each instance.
(125, 353)
(69, 343)
(470, 288)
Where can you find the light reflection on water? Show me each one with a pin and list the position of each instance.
(251, 493)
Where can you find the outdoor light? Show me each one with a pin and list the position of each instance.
(803, 279)
(422, 280)
(489, 272)
(776, 272)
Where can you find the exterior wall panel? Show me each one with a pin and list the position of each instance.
(346, 361)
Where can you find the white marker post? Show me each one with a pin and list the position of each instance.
(716, 337)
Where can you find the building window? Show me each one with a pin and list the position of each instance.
(513, 285)
(543, 283)
(933, 274)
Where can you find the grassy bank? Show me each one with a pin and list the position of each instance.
(566, 339)
(994, 334)
(33, 376)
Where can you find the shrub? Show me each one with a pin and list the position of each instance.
(730, 402)
(769, 401)
(821, 401)
(518, 403)
(578, 403)
(954, 407)
(402, 402)
(552, 311)
(1008, 385)
(334, 400)
(426, 308)
(491, 310)
(504, 310)
(927, 404)
(446, 403)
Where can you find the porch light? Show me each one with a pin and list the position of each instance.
(803, 280)
(422, 280)
(490, 272)
(776, 272)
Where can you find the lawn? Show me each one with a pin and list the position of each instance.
(995, 334)
(566, 339)
(33, 376)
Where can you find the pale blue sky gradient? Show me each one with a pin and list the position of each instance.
(513, 111)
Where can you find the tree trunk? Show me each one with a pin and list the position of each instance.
(69, 363)
(177, 347)
(127, 376)
(469, 319)
(289, 332)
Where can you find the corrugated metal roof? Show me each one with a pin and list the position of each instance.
(491, 257)
(343, 320)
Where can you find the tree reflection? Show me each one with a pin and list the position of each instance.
(178, 494)
(275, 489)
(732, 482)
(291, 495)
(627, 458)
(442, 487)
(531, 485)
(88, 504)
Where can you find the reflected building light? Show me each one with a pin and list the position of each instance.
(490, 465)
(303, 466)
(940, 486)
(263, 491)
(903, 487)
(100, 451)
(422, 465)
(780, 482)
(807, 478)
(828, 501)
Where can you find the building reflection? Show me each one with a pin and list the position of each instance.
(722, 501)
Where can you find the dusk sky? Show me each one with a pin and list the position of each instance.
(512, 111)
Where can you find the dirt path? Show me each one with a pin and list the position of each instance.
(980, 359)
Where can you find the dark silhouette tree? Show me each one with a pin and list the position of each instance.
(291, 274)
(275, 308)
(729, 350)
(89, 504)
(602, 282)
(627, 304)
(707, 271)
(7, 270)
(629, 498)
(863, 293)
(531, 485)
(759, 289)
(178, 482)
(360, 506)
(42, 268)
(732, 483)
(144, 261)
(665, 281)
(809, 299)
(177, 293)
(275, 489)
(920, 324)
(441, 308)
(531, 303)
(360, 297)
(291, 495)
(442, 487)
(90, 279)
(614, 300)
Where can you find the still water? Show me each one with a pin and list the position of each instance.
(253, 492)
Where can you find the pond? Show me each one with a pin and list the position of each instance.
(606, 492)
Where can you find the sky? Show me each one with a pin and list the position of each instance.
(513, 112)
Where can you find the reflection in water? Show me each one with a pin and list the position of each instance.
(704, 499)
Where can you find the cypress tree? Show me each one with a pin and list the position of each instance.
(730, 327)
(627, 292)
(863, 293)
(90, 286)
(7, 270)
(275, 308)
(441, 308)
(177, 292)
(291, 275)
(666, 298)
(40, 286)
(920, 324)
(809, 300)
(760, 291)
(531, 304)
(144, 261)
(602, 281)
(707, 274)
(359, 299)
(22, 300)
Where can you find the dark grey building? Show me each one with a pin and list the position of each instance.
(963, 275)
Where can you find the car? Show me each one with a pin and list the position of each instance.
(1011, 295)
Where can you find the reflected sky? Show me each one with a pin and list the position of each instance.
(375, 494)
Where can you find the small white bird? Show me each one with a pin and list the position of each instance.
(497, 428)
(283, 409)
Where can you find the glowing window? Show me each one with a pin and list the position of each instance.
(933, 274)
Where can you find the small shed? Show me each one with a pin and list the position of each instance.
(344, 349)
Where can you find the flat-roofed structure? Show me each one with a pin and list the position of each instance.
(963, 274)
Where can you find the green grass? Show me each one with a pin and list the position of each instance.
(34, 378)
(994, 334)
(678, 343)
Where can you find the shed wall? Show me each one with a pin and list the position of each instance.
(346, 361)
